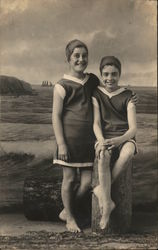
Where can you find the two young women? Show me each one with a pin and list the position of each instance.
(73, 117)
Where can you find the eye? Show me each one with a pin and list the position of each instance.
(114, 73)
(77, 55)
(106, 74)
(84, 56)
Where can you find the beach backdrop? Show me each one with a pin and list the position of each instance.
(27, 143)
(33, 35)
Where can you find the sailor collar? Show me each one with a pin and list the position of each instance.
(111, 94)
(75, 79)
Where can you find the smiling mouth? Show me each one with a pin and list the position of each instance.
(81, 64)
(110, 83)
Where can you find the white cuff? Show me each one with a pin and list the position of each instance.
(60, 90)
(130, 105)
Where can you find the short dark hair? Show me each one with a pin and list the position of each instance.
(72, 45)
(110, 60)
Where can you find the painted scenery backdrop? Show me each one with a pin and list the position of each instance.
(33, 37)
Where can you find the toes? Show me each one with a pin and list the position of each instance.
(72, 227)
(73, 230)
(106, 215)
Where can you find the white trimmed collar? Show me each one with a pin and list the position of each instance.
(111, 94)
(75, 79)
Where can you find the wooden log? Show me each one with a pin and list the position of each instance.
(120, 219)
(42, 199)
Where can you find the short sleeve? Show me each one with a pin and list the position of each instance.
(130, 105)
(94, 80)
(60, 90)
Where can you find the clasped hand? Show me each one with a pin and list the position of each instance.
(112, 143)
(107, 144)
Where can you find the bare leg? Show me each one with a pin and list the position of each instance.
(69, 175)
(105, 187)
(84, 187)
(98, 194)
(83, 196)
(103, 191)
(100, 189)
(85, 183)
(107, 209)
(126, 154)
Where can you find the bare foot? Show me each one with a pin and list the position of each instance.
(62, 215)
(97, 192)
(107, 209)
(72, 226)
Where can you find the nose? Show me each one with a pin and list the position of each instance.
(109, 77)
(81, 58)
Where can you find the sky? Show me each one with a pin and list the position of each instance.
(34, 34)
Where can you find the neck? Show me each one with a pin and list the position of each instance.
(111, 89)
(80, 75)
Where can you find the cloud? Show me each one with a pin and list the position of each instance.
(139, 74)
(34, 36)
(10, 6)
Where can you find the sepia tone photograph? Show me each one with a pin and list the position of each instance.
(78, 124)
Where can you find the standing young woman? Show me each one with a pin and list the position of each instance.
(73, 128)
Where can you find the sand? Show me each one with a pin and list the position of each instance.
(16, 232)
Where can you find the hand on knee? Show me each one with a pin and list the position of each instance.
(105, 156)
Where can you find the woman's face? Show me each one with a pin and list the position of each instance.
(79, 60)
(110, 77)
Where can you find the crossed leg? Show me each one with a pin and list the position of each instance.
(126, 155)
(103, 191)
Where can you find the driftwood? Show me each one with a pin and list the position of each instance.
(120, 219)
(42, 198)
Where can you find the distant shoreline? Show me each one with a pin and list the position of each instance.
(122, 85)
